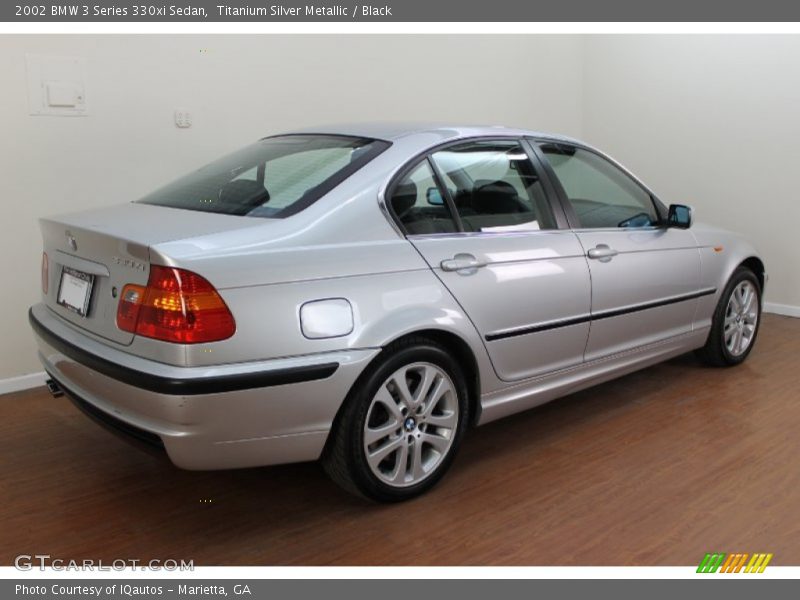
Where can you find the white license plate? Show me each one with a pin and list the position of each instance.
(75, 290)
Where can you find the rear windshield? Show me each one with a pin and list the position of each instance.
(275, 177)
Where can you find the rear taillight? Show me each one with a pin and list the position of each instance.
(128, 307)
(45, 273)
(176, 306)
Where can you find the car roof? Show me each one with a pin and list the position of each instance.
(393, 131)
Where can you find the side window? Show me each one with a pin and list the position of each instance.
(418, 204)
(601, 194)
(494, 187)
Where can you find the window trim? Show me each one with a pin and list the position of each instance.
(405, 170)
(572, 217)
(551, 194)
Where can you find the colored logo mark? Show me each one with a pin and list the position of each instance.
(714, 562)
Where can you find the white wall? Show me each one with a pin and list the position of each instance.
(711, 121)
(238, 88)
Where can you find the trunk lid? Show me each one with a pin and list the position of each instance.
(95, 253)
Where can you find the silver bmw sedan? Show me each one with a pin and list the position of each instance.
(364, 294)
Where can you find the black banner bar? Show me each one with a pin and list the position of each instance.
(399, 11)
(708, 586)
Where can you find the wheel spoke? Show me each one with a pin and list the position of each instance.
(742, 289)
(731, 341)
(398, 475)
(385, 399)
(744, 295)
(435, 396)
(375, 458)
(440, 443)
(428, 379)
(401, 387)
(734, 302)
(751, 307)
(372, 435)
(447, 420)
(416, 460)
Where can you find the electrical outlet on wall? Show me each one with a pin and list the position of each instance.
(183, 118)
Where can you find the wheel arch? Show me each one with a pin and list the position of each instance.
(756, 265)
(459, 348)
(463, 353)
(453, 343)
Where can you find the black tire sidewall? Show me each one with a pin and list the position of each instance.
(365, 390)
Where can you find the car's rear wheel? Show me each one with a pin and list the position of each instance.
(401, 425)
(735, 322)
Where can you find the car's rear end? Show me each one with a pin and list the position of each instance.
(122, 320)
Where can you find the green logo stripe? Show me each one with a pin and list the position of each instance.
(701, 568)
(718, 563)
(711, 562)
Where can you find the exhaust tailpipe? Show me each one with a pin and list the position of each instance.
(53, 388)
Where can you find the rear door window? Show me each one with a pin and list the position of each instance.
(494, 186)
(418, 204)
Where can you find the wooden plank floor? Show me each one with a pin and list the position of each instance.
(656, 468)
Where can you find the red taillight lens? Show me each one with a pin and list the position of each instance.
(128, 307)
(45, 273)
(176, 306)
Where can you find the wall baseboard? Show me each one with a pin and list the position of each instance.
(22, 382)
(787, 310)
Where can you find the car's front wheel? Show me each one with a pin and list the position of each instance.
(401, 425)
(735, 322)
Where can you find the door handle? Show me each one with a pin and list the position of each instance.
(463, 263)
(602, 252)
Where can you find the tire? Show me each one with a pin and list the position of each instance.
(412, 440)
(719, 351)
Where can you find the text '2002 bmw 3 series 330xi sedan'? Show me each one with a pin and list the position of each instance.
(363, 295)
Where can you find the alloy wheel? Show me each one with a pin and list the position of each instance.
(411, 424)
(741, 318)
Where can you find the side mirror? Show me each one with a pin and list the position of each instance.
(434, 197)
(679, 216)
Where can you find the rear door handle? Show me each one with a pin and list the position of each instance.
(602, 252)
(465, 264)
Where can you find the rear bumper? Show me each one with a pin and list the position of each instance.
(225, 416)
(138, 437)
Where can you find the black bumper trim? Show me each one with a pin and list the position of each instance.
(182, 387)
(146, 440)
